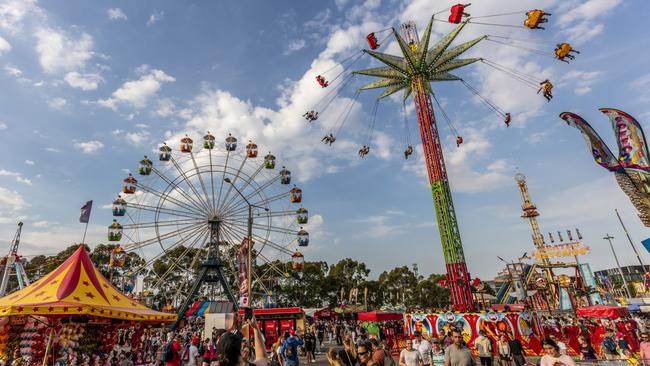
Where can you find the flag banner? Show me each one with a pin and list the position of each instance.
(646, 244)
(85, 212)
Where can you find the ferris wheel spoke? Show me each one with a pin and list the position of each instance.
(168, 235)
(259, 189)
(175, 262)
(169, 248)
(167, 197)
(205, 191)
(234, 181)
(223, 176)
(225, 205)
(197, 205)
(150, 224)
(165, 210)
(206, 234)
(271, 264)
(243, 207)
(264, 241)
(275, 229)
(265, 214)
(189, 183)
(214, 206)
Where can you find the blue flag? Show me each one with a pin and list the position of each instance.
(85, 212)
(646, 244)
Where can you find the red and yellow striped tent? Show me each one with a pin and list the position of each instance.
(76, 287)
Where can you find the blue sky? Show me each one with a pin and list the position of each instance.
(89, 87)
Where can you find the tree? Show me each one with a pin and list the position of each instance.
(399, 284)
(431, 294)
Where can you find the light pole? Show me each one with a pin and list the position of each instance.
(250, 237)
(618, 265)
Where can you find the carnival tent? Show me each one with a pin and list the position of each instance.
(378, 316)
(602, 311)
(76, 287)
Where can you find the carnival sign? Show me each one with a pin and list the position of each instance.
(561, 250)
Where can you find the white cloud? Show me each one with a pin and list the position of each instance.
(295, 45)
(166, 107)
(4, 46)
(12, 71)
(116, 14)
(141, 125)
(17, 176)
(41, 224)
(13, 12)
(30, 162)
(582, 81)
(136, 138)
(88, 81)
(137, 92)
(59, 53)
(89, 147)
(3, 126)
(11, 200)
(57, 103)
(52, 149)
(155, 17)
(581, 22)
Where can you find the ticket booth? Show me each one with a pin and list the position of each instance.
(275, 322)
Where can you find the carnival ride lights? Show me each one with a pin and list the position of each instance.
(190, 200)
(412, 72)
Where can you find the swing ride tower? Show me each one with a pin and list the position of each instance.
(412, 72)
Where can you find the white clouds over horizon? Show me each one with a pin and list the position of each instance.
(58, 52)
(89, 147)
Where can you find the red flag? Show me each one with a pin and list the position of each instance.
(85, 212)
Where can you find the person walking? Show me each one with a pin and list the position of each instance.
(517, 351)
(348, 355)
(410, 356)
(484, 348)
(437, 353)
(552, 355)
(457, 354)
(365, 355)
(608, 346)
(310, 345)
(289, 349)
(503, 349)
(587, 352)
(423, 346)
(644, 349)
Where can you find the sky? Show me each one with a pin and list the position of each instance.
(89, 87)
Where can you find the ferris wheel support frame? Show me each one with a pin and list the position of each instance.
(205, 275)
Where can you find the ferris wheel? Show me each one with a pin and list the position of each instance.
(199, 205)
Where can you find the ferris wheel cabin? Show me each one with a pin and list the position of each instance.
(208, 141)
(285, 176)
(302, 215)
(165, 153)
(303, 238)
(296, 195)
(115, 231)
(129, 184)
(186, 144)
(231, 143)
(145, 166)
(119, 207)
(269, 161)
(251, 150)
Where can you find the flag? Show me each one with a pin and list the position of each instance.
(85, 212)
(646, 244)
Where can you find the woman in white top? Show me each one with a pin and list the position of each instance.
(410, 356)
(552, 356)
(503, 350)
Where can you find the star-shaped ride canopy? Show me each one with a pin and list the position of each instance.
(418, 60)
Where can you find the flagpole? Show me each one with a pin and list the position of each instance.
(630, 240)
(83, 241)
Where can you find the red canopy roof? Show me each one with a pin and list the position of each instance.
(603, 311)
(379, 316)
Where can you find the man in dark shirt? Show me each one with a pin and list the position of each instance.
(517, 351)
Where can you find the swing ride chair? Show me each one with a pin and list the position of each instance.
(195, 209)
(412, 72)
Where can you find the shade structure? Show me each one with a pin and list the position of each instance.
(76, 287)
(603, 311)
(379, 316)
